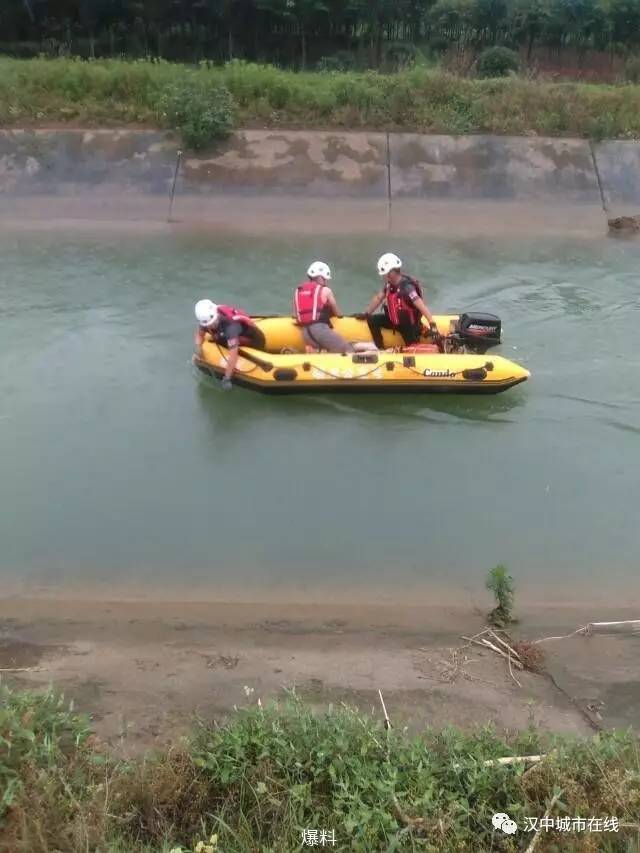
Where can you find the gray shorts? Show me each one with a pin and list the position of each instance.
(321, 336)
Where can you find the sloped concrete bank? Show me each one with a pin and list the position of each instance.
(305, 181)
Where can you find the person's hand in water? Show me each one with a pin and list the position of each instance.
(226, 384)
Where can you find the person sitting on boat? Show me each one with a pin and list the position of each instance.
(229, 327)
(313, 306)
(404, 305)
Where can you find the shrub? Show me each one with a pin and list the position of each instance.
(202, 115)
(500, 583)
(497, 62)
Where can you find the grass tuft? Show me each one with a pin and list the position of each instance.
(258, 781)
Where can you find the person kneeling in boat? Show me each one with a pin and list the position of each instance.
(313, 306)
(228, 327)
(404, 305)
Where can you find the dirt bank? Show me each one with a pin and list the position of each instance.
(142, 669)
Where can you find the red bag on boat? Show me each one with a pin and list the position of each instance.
(417, 349)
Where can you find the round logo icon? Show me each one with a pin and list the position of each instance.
(502, 821)
(498, 819)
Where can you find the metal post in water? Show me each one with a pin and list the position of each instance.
(175, 181)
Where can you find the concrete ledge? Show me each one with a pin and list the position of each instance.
(306, 181)
(73, 162)
(619, 167)
(292, 163)
(491, 167)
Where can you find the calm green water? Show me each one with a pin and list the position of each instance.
(118, 465)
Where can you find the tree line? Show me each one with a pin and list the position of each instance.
(329, 34)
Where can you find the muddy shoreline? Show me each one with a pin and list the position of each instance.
(136, 214)
(142, 669)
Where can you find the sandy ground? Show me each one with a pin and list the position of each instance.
(142, 669)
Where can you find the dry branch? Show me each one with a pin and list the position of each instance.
(627, 625)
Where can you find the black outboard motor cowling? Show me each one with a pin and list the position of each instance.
(479, 332)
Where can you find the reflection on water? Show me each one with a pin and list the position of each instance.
(118, 462)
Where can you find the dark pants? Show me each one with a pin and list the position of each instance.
(254, 338)
(377, 322)
(249, 336)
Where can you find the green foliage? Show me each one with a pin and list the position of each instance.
(113, 92)
(202, 114)
(35, 731)
(297, 33)
(497, 62)
(258, 780)
(500, 583)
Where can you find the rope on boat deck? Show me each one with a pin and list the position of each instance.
(378, 366)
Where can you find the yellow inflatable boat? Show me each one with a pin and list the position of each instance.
(283, 367)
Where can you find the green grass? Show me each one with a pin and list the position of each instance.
(115, 92)
(262, 778)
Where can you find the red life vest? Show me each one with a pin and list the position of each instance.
(234, 315)
(309, 304)
(400, 309)
(229, 314)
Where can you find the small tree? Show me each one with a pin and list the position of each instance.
(500, 583)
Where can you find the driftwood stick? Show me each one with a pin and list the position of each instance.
(515, 759)
(623, 626)
(23, 669)
(536, 837)
(387, 721)
(486, 644)
(509, 759)
(505, 645)
(479, 634)
(511, 671)
(561, 636)
(610, 627)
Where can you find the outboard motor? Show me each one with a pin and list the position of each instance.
(478, 332)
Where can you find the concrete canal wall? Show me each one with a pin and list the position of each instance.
(303, 180)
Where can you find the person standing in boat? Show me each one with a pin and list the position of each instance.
(229, 327)
(313, 307)
(404, 305)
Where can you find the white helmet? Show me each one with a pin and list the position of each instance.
(206, 312)
(388, 262)
(319, 268)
